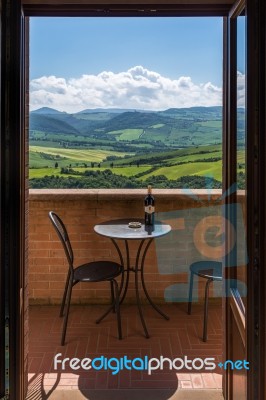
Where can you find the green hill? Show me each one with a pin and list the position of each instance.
(52, 124)
(173, 127)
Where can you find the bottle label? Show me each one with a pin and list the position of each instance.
(149, 209)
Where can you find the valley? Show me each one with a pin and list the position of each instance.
(128, 149)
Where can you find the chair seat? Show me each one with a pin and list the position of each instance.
(96, 271)
(207, 269)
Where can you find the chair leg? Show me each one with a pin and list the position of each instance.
(206, 310)
(112, 295)
(112, 306)
(70, 286)
(190, 293)
(117, 307)
(64, 296)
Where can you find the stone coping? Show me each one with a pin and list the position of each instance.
(120, 194)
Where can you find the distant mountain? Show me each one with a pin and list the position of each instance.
(195, 109)
(46, 123)
(174, 127)
(134, 120)
(47, 110)
(110, 110)
(195, 112)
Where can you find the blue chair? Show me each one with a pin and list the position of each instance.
(210, 270)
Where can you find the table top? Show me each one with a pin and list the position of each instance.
(119, 229)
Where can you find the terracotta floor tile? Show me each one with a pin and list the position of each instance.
(197, 381)
(179, 336)
(209, 381)
(185, 385)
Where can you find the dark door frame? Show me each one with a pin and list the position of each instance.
(256, 199)
(12, 173)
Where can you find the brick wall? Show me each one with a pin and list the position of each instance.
(81, 210)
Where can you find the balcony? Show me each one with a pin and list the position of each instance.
(179, 337)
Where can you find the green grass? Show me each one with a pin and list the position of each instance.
(115, 133)
(127, 134)
(241, 154)
(188, 155)
(36, 161)
(72, 155)
(41, 172)
(46, 143)
(127, 171)
(213, 169)
(175, 155)
(211, 124)
(199, 149)
(192, 157)
(161, 133)
(54, 140)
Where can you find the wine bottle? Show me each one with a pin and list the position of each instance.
(149, 208)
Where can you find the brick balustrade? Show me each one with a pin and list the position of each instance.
(81, 210)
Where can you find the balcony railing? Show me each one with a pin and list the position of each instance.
(82, 209)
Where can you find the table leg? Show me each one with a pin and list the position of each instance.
(156, 308)
(139, 267)
(137, 290)
(127, 270)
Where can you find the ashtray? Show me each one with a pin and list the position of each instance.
(134, 224)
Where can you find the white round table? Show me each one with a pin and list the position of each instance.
(119, 230)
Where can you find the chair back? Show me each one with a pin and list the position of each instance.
(63, 236)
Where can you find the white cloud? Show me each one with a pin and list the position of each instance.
(137, 88)
(241, 89)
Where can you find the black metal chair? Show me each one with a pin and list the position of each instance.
(210, 270)
(95, 271)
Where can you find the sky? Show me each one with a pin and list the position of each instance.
(137, 63)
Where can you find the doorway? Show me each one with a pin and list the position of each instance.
(15, 99)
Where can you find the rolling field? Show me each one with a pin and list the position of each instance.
(213, 169)
(172, 164)
(77, 154)
(198, 156)
(180, 155)
(47, 156)
(41, 172)
(127, 134)
(128, 172)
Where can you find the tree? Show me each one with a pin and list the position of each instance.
(56, 165)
